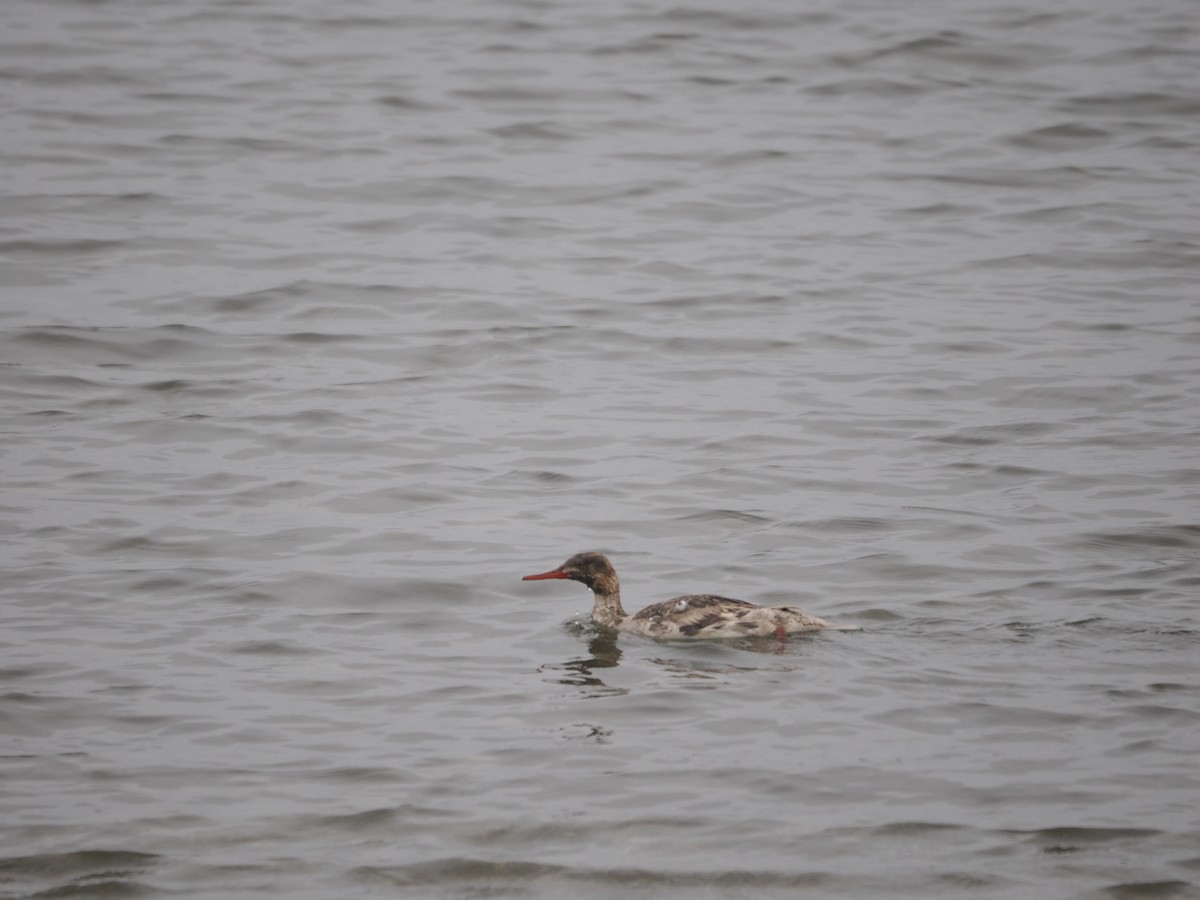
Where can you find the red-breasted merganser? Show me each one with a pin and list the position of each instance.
(693, 617)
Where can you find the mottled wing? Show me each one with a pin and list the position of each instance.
(696, 612)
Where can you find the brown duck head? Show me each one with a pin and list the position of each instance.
(592, 569)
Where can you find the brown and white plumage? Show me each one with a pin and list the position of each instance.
(692, 617)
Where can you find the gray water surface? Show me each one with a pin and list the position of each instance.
(321, 325)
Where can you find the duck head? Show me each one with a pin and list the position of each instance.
(592, 569)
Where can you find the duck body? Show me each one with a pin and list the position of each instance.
(690, 617)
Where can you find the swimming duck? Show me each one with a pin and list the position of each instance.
(691, 617)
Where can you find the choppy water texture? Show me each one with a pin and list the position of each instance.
(322, 324)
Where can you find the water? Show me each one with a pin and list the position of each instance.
(320, 326)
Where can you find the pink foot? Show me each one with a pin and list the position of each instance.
(780, 634)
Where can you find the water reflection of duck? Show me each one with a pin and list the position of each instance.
(693, 617)
(603, 654)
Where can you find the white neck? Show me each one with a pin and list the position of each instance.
(607, 609)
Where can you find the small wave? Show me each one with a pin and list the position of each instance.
(79, 864)
(841, 525)
(405, 103)
(456, 870)
(362, 773)
(731, 19)
(723, 515)
(535, 131)
(1068, 136)
(869, 87)
(544, 475)
(271, 648)
(984, 435)
(907, 829)
(366, 820)
(1075, 837)
(1137, 105)
(60, 247)
(1160, 537)
(1151, 890)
